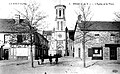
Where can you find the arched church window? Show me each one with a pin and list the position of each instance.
(58, 25)
(60, 12)
(63, 11)
(56, 11)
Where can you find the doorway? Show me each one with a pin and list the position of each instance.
(113, 53)
(79, 52)
(6, 54)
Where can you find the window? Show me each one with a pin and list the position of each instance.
(112, 34)
(19, 39)
(60, 42)
(7, 38)
(112, 37)
(61, 25)
(96, 51)
(96, 34)
(60, 13)
(63, 11)
(97, 38)
(58, 25)
(56, 12)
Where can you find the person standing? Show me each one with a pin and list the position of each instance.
(42, 59)
(39, 61)
(56, 58)
(50, 59)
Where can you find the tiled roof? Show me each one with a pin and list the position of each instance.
(9, 25)
(101, 26)
(47, 32)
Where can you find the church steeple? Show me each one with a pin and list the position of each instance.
(60, 29)
(60, 17)
(60, 11)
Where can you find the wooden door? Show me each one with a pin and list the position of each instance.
(113, 53)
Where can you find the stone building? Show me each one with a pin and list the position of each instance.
(102, 40)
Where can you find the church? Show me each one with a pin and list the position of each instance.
(57, 37)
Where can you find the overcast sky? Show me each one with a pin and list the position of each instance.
(99, 12)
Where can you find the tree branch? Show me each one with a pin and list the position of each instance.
(117, 14)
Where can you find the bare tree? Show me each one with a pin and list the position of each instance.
(32, 14)
(84, 18)
(33, 17)
(117, 19)
(117, 16)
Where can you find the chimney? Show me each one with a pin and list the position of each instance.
(79, 18)
(17, 18)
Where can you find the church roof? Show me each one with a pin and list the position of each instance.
(60, 6)
(47, 32)
(9, 25)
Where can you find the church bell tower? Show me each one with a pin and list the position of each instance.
(60, 17)
(60, 29)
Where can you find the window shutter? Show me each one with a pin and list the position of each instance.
(90, 52)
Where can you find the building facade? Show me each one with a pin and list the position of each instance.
(70, 43)
(15, 35)
(102, 41)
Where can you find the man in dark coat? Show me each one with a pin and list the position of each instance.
(56, 58)
(50, 59)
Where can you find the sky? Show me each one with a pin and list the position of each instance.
(98, 12)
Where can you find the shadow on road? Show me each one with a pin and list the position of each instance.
(92, 64)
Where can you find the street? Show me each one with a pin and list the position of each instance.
(66, 65)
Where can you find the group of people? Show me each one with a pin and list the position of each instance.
(50, 59)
